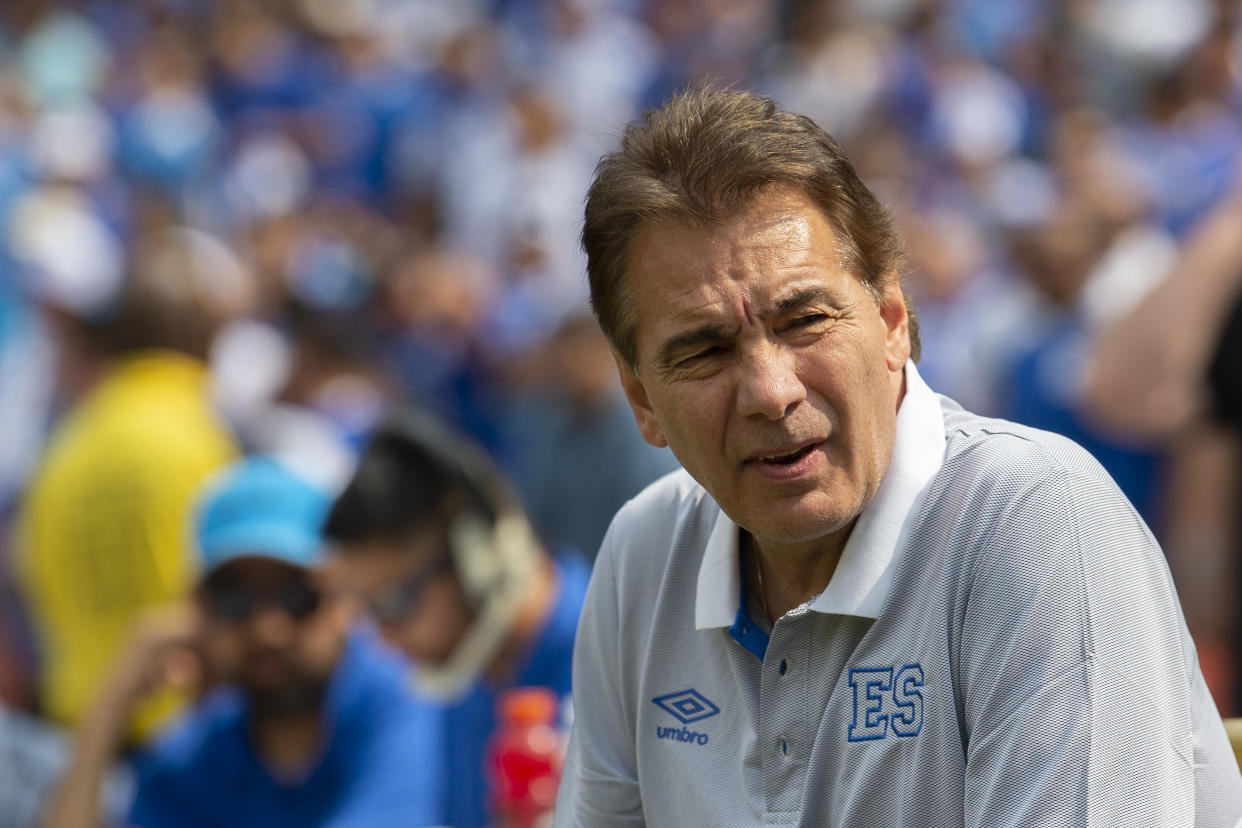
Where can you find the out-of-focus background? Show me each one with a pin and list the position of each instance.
(379, 200)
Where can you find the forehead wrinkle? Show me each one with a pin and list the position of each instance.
(710, 302)
(768, 241)
(706, 307)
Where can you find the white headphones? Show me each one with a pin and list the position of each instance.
(494, 552)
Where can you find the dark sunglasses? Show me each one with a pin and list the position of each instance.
(391, 604)
(236, 604)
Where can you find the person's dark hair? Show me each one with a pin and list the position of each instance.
(414, 473)
(172, 300)
(701, 158)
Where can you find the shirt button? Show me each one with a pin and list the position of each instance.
(784, 666)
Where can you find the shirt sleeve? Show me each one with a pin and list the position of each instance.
(599, 783)
(1081, 697)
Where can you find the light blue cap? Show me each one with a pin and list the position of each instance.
(257, 507)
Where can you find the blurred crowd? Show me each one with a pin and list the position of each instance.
(326, 207)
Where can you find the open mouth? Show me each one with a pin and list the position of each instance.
(788, 459)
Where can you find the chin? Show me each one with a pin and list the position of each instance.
(801, 526)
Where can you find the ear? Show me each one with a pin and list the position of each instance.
(644, 414)
(897, 326)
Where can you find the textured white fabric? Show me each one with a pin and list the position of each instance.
(1029, 666)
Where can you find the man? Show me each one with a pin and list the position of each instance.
(308, 724)
(434, 545)
(101, 531)
(861, 605)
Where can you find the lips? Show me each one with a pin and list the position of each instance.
(787, 458)
(789, 462)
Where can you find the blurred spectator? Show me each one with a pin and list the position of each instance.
(446, 563)
(1040, 384)
(579, 443)
(34, 755)
(593, 58)
(697, 39)
(102, 527)
(306, 721)
(434, 301)
(1148, 371)
(512, 182)
(168, 133)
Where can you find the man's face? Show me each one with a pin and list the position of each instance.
(410, 589)
(768, 369)
(269, 628)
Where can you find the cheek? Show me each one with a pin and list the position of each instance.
(324, 635)
(694, 415)
(436, 626)
(222, 652)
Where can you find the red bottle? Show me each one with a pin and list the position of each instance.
(525, 758)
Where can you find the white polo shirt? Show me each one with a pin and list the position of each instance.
(1000, 645)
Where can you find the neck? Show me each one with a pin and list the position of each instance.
(791, 576)
(287, 745)
(527, 625)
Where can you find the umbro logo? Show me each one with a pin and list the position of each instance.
(685, 706)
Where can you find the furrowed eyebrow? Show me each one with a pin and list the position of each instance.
(795, 301)
(801, 298)
(708, 333)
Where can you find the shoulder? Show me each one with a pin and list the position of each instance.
(370, 671)
(196, 740)
(653, 548)
(661, 531)
(1027, 512)
(138, 455)
(1015, 505)
(657, 513)
(999, 459)
(387, 741)
(371, 699)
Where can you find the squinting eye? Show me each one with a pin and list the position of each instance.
(705, 353)
(808, 320)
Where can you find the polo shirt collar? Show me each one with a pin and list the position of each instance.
(863, 576)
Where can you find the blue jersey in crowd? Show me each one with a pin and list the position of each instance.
(472, 720)
(373, 772)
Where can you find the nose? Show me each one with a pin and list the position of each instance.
(769, 385)
(271, 626)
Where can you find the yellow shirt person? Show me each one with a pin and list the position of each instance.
(103, 527)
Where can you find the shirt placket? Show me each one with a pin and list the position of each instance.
(785, 729)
